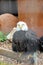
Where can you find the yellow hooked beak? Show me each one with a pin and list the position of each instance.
(20, 27)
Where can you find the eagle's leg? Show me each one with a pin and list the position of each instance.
(35, 58)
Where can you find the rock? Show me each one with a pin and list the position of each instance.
(10, 35)
(7, 22)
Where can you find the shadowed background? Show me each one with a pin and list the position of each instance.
(30, 11)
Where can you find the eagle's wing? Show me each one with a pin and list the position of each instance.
(31, 34)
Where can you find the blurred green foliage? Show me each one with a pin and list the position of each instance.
(4, 63)
(2, 37)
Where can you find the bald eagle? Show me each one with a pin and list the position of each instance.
(20, 26)
(26, 41)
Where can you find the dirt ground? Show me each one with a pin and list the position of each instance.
(8, 45)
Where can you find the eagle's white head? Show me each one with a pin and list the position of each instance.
(22, 26)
